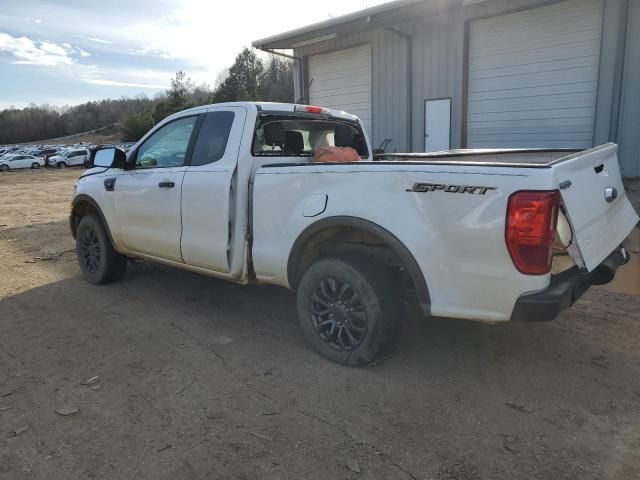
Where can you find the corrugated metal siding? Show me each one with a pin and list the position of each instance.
(391, 95)
(629, 119)
(438, 49)
(533, 77)
(389, 82)
(611, 58)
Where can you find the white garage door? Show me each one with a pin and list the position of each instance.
(342, 80)
(533, 77)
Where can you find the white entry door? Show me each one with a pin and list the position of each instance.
(437, 125)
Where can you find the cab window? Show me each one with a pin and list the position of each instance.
(166, 147)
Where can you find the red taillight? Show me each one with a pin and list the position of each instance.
(531, 230)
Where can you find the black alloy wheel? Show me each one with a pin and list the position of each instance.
(90, 250)
(338, 315)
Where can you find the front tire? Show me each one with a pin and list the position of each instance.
(4, 168)
(61, 165)
(35, 165)
(348, 309)
(99, 262)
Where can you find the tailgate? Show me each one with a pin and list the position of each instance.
(596, 203)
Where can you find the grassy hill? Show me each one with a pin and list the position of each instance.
(108, 134)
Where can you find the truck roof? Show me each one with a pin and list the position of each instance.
(269, 107)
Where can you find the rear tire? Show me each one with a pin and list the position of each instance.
(348, 309)
(99, 262)
(4, 168)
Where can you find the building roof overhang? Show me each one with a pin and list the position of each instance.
(386, 14)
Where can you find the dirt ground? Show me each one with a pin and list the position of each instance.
(179, 376)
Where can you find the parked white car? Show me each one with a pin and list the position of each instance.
(69, 158)
(15, 161)
(233, 191)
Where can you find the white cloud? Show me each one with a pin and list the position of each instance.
(149, 52)
(81, 52)
(53, 49)
(26, 51)
(46, 53)
(98, 40)
(119, 77)
(64, 56)
(117, 83)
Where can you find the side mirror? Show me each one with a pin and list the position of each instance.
(109, 158)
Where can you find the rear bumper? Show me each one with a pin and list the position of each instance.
(565, 289)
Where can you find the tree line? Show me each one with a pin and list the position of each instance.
(249, 78)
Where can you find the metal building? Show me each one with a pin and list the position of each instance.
(437, 74)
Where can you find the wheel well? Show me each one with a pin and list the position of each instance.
(334, 237)
(83, 206)
(79, 210)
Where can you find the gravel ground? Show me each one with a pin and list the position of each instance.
(173, 375)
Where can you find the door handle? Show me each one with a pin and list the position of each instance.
(166, 184)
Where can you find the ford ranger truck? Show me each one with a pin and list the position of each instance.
(232, 191)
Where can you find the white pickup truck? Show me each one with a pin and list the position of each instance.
(233, 191)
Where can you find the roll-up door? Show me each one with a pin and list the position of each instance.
(342, 80)
(533, 77)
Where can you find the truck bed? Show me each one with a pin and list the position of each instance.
(515, 157)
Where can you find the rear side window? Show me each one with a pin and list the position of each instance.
(212, 138)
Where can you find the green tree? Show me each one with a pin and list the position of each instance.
(180, 90)
(136, 126)
(178, 97)
(276, 81)
(242, 83)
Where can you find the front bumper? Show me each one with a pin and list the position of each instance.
(565, 289)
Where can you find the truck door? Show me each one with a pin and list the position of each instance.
(147, 196)
(209, 191)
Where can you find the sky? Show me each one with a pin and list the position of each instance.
(65, 52)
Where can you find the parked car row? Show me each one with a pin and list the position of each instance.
(14, 157)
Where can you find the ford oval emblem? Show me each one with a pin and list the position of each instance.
(610, 194)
